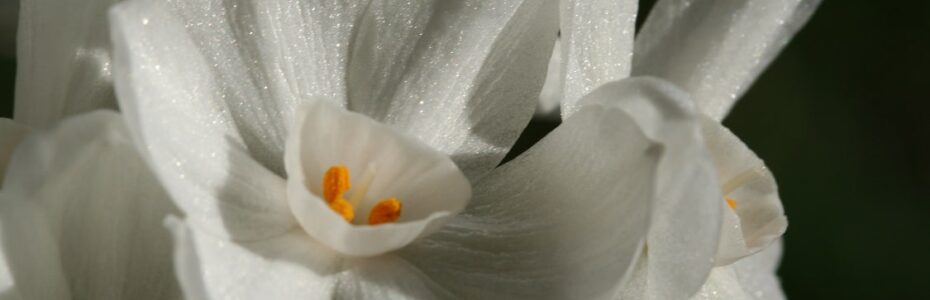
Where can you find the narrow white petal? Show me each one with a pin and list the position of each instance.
(290, 266)
(685, 228)
(87, 205)
(550, 97)
(758, 218)
(11, 134)
(429, 186)
(716, 49)
(184, 118)
(597, 46)
(565, 220)
(464, 79)
(62, 60)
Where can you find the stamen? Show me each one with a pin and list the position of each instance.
(343, 208)
(731, 203)
(386, 211)
(335, 184)
(362, 189)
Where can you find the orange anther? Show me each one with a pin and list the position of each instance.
(343, 208)
(731, 203)
(335, 183)
(386, 211)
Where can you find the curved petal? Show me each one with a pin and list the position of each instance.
(290, 266)
(564, 220)
(427, 183)
(62, 59)
(183, 119)
(716, 49)
(750, 278)
(85, 204)
(241, 67)
(413, 65)
(11, 133)
(756, 217)
(597, 46)
(464, 80)
(685, 230)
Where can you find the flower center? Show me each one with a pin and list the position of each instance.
(336, 182)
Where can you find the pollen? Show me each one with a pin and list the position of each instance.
(731, 203)
(386, 211)
(335, 184)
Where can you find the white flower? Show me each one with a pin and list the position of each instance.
(80, 213)
(213, 92)
(713, 50)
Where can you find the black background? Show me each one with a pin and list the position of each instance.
(841, 120)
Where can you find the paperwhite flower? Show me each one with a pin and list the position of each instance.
(80, 212)
(241, 109)
(713, 50)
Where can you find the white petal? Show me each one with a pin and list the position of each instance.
(750, 278)
(179, 115)
(7, 290)
(463, 80)
(716, 49)
(87, 205)
(63, 60)
(11, 133)
(241, 67)
(290, 266)
(759, 217)
(428, 184)
(550, 97)
(597, 46)
(564, 220)
(31, 250)
(685, 228)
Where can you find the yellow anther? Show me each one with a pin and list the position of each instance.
(731, 203)
(343, 208)
(386, 211)
(335, 184)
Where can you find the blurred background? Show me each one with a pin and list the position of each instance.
(839, 120)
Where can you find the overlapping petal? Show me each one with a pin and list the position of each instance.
(178, 113)
(596, 46)
(751, 278)
(716, 49)
(470, 66)
(62, 60)
(566, 219)
(289, 266)
(210, 87)
(685, 229)
(462, 76)
(81, 215)
(758, 218)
